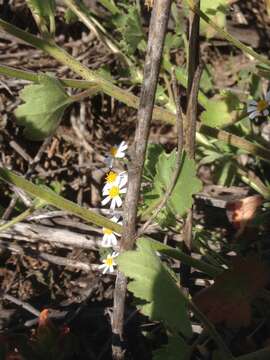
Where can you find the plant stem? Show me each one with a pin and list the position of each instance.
(253, 181)
(236, 141)
(21, 217)
(31, 76)
(157, 31)
(227, 36)
(49, 197)
(263, 354)
(177, 254)
(94, 26)
(210, 328)
(92, 91)
(58, 201)
(116, 92)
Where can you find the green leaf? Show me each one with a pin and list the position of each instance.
(153, 283)
(216, 114)
(187, 183)
(110, 5)
(181, 198)
(70, 17)
(43, 109)
(216, 10)
(172, 41)
(152, 153)
(131, 30)
(44, 8)
(177, 349)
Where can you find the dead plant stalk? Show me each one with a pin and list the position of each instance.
(157, 32)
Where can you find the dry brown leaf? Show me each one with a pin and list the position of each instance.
(228, 299)
(241, 212)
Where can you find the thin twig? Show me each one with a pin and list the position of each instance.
(179, 126)
(226, 354)
(57, 237)
(191, 118)
(32, 165)
(54, 259)
(24, 305)
(157, 31)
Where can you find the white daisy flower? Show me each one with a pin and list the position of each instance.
(114, 179)
(109, 236)
(113, 195)
(259, 108)
(108, 263)
(116, 152)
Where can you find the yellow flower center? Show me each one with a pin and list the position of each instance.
(111, 177)
(114, 191)
(107, 231)
(262, 105)
(113, 151)
(109, 261)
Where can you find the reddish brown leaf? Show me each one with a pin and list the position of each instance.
(13, 356)
(241, 212)
(228, 299)
(43, 319)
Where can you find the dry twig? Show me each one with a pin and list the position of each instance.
(157, 32)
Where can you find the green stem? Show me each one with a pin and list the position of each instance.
(86, 93)
(263, 354)
(22, 216)
(210, 328)
(49, 197)
(93, 25)
(58, 201)
(254, 182)
(30, 76)
(236, 141)
(63, 57)
(208, 269)
(120, 94)
(229, 37)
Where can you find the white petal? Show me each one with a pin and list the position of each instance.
(252, 108)
(267, 96)
(252, 102)
(118, 201)
(105, 269)
(123, 180)
(122, 146)
(105, 201)
(114, 241)
(265, 112)
(105, 243)
(113, 204)
(111, 269)
(106, 191)
(109, 161)
(120, 154)
(254, 115)
(123, 191)
(115, 219)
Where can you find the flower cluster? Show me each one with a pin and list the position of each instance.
(259, 108)
(113, 190)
